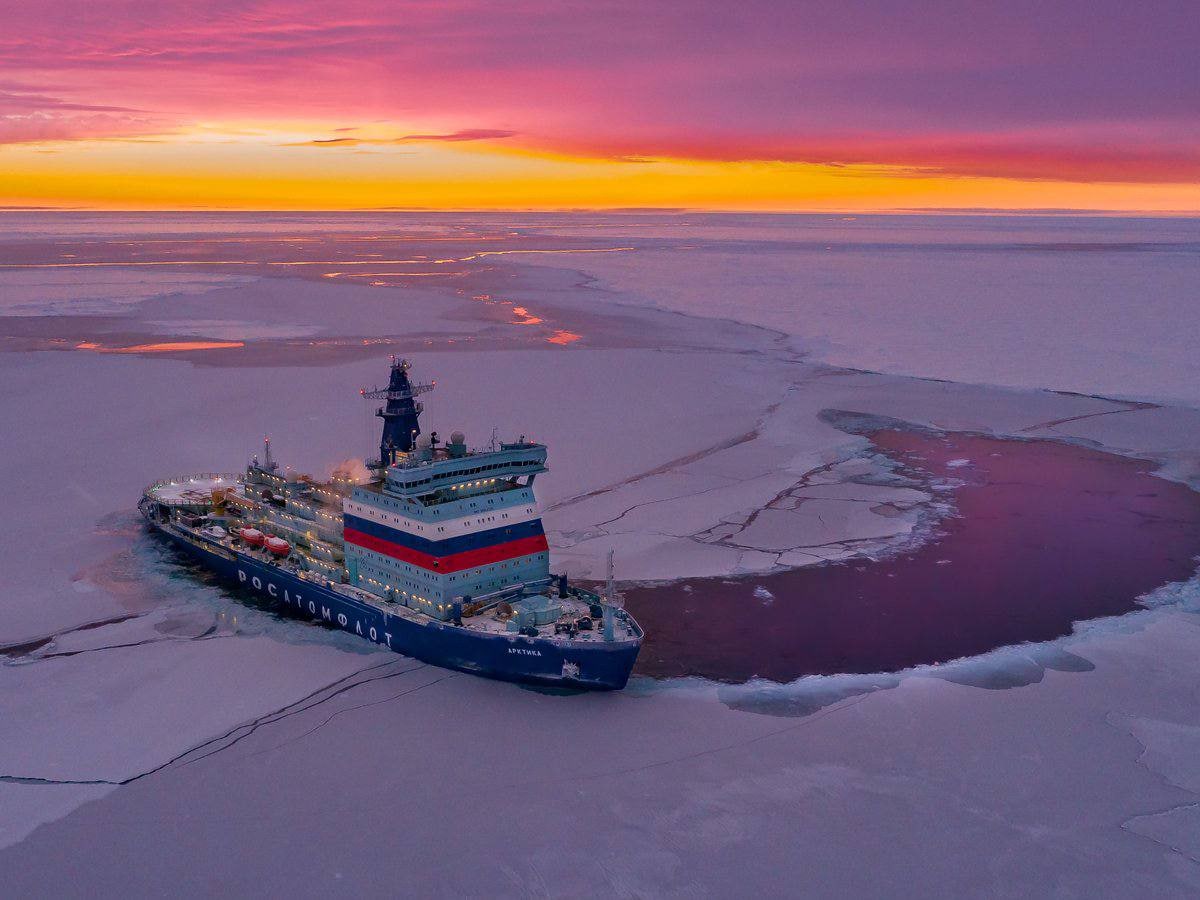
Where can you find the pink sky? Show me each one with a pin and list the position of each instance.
(1083, 90)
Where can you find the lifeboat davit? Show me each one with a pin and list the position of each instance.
(253, 537)
(278, 546)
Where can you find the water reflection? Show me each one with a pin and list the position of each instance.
(161, 347)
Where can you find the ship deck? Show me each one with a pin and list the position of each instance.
(196, 492)
(489, 623)
(186, 490)
(485, 622)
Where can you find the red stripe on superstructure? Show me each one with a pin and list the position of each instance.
(455, 562)
(484, 556)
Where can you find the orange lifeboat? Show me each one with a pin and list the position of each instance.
(278, 546)
(253, 537)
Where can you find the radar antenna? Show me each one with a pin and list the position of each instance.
(392, 392)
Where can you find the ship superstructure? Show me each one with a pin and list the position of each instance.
(439, 552)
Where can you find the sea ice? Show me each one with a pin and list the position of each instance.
(98, 292)
(763, 594)
(1031, 303)
(1083, 778)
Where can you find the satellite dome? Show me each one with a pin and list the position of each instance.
(424, 442)
(458, 438)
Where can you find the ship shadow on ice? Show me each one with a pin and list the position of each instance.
(1049, 540)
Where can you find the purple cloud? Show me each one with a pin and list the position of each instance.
(1084, 89)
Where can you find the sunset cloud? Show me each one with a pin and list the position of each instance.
(466, 134)
(28, 115)
(1084, 91)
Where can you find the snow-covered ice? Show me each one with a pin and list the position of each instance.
(1099, 305)
(700, 426)
(98, 292)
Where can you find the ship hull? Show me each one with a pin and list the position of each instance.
(508, 657)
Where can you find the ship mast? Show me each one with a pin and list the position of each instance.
(611, 597)
(400, 414)
(268, 464)
(612, 602)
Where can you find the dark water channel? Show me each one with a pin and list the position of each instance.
(1045, 534)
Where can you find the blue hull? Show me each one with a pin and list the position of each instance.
(508, 657)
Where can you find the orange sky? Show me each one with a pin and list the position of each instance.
(180, 172)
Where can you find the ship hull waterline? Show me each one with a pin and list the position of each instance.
(506, 657)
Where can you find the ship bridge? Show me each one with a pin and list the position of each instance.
(445, 523)
(413, 477)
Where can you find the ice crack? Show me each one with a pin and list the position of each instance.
(239, 732)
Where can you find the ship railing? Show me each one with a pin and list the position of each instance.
(511, 590)
(184, 480)
(589, 596)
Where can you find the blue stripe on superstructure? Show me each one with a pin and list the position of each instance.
(450, 545)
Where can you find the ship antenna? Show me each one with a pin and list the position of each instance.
(495, 437)
(268, 463)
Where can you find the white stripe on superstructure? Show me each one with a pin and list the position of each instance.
(438, 531)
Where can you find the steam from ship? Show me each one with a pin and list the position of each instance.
(352, 470)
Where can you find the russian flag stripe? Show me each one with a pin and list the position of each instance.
(454, 562)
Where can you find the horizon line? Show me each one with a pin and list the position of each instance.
(636, 210)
